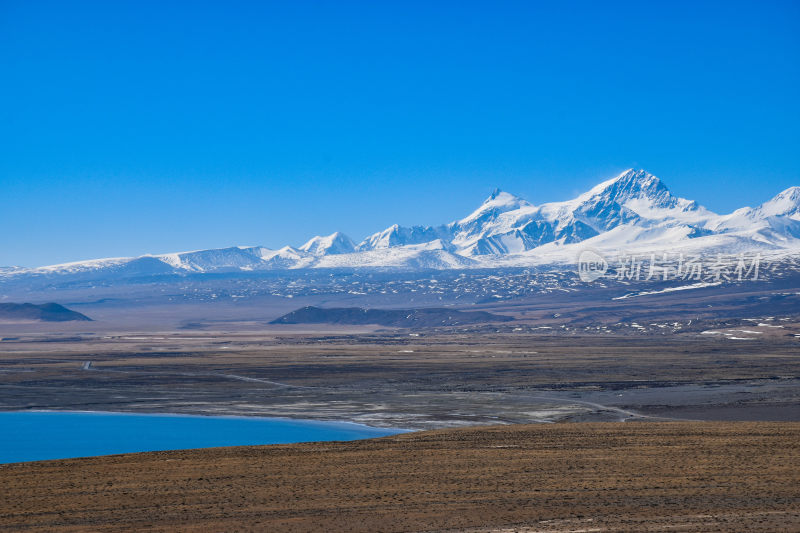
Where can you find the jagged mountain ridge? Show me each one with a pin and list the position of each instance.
(634, 211)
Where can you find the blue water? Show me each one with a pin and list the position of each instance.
(39, 435)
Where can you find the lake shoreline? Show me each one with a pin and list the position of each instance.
(38, 435)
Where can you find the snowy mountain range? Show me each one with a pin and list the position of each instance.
(632, 213)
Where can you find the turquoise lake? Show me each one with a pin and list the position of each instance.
(40, 435)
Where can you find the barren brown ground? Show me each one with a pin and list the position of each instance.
(424, 380)
(740, 476)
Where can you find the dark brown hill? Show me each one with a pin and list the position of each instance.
(49, 312)
(401, 318)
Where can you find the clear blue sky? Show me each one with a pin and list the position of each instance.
(150, 127)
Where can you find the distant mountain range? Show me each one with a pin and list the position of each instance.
(633, 212)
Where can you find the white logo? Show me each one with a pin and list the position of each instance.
(591, 265)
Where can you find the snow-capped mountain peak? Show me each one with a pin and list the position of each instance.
(785, 203)
(498, 202)
(335, 243)
(483, 231)
(396, 235)
(637, 187)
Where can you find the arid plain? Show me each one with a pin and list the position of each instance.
(422, 380)
(547, 477)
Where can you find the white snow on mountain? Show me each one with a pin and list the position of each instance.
(396, 235)
(786, 203)
(220, 259)
(335, 243)
(633, 212)
(506, 225)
